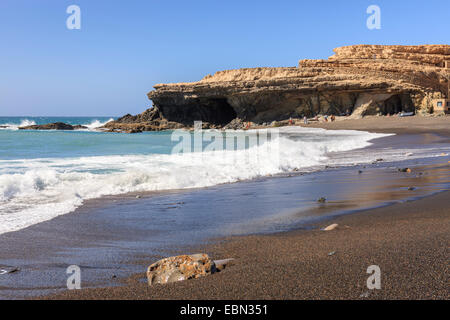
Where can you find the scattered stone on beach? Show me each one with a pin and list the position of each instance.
(322, 200)
(180, 268)
(53, 126)
(331, 253)
(8, 269)
(379, 160)
(331, 227)
(365, 294)
(411, 188)
(408, 170)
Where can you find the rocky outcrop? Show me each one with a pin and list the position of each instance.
(180, 268)
(53, 126)
(359, 80)
(149, 120)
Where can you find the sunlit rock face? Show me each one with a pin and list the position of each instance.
(357, 80)
(362, 79)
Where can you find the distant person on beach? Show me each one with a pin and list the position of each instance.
(305, 120)
(333, 118)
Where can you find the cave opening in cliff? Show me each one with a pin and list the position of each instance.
(216, 111)
(396, 104)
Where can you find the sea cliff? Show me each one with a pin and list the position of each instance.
(357, 80)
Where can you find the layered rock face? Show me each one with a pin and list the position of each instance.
(358, 80)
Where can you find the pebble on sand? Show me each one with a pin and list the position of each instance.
(330, 227)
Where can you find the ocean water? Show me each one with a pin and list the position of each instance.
(44, 174)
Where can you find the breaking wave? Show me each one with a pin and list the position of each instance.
(35, 190)
(15, 126)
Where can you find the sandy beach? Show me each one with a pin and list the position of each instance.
(407, 240)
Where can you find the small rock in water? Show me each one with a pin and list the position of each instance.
(180, 268)
(330, 227)
(138, 197)
(411, 188)
(408, 154)
(380, 159)
(360, 171)
(322, 200)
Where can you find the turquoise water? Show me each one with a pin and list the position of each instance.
(44, 174)
(32, 144)
(45, 120)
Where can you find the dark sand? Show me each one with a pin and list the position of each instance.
(394, 124)
(409, 242)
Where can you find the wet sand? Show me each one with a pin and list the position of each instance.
(409, 241)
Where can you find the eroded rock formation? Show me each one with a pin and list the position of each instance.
(358, 80)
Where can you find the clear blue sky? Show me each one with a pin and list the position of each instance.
(125, 47)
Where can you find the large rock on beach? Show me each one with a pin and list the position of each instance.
(180, 268)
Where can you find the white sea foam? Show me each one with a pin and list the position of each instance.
(92, 125)
(35, 190)
(97, 124)
(13, 126)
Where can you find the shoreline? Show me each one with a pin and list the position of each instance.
(408, 240)
(407, 243)
(132, 288)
